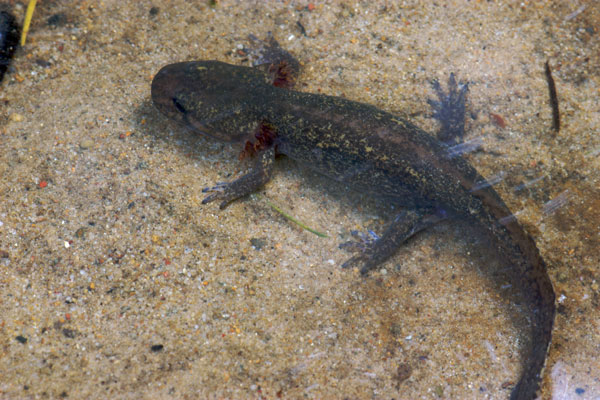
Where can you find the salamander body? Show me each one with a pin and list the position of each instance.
(365, 147)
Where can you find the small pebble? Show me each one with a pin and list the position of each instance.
(16, 117)
(156, 347)
(86, 144)
(403, 372)
(80, 233)
(69, 333)
(258, 243)
(57, 20)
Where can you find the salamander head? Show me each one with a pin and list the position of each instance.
(211, 97)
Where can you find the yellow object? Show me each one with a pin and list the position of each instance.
(28, 16)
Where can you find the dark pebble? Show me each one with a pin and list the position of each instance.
(403, 372)
(70, 333)
(580, 391)
(257, 243)
(58, 19)
(21, 339)
(80, 233)
(156, 347)
(42, 63)
(9, 38)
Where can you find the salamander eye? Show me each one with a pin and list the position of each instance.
(178, 105)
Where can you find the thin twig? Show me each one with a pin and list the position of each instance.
(294, 220)
(553, 98)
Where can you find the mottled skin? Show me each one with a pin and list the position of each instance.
(367, 148)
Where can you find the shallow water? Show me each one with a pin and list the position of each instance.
(115, 280)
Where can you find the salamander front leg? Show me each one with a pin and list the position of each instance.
(273, 59)
(373, 250)
(259, 174)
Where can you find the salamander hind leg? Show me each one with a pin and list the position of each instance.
(259, 174)
(362, 243)
(373, 250)
(269, 56)
(450, 109)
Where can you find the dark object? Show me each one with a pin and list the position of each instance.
(69, 333)
(9, 38)
(21, 339)
(301, 27)
(157, 347)
(57, 20)
(43, 63)
(553, 98)
(403, 372)
(258, 243)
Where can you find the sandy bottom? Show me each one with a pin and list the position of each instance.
(115, 281)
